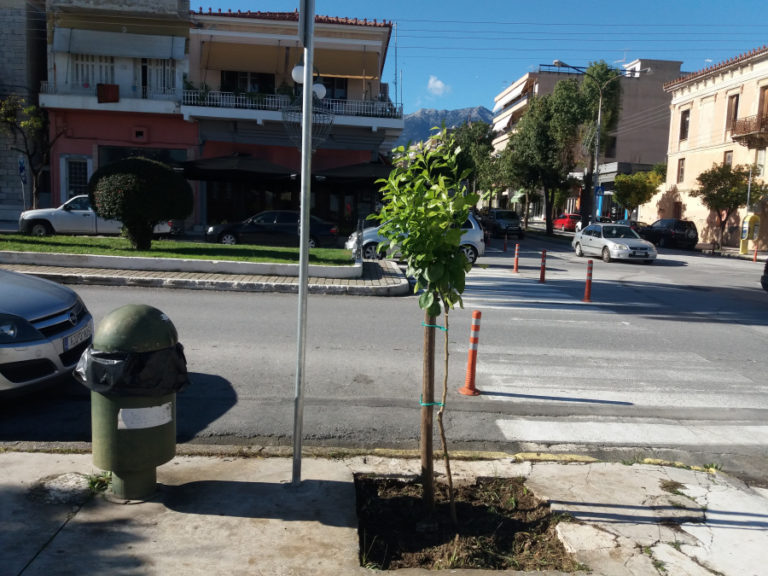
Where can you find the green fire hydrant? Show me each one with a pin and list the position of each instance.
(133, 368)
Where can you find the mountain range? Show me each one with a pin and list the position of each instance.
(418, 126)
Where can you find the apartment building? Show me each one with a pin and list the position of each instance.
(114, 88)
(639, 140)
(241, 94)
(212, 94)
(718, 114)
(22, 31)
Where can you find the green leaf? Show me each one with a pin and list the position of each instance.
(426, 300)
(435, 272)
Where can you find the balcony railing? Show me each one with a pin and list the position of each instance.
(751, 131)
(88, 89)
(277, 102)
(232, 100)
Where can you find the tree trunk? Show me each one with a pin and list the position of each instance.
(427, 398)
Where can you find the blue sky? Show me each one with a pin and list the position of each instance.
(460, 53)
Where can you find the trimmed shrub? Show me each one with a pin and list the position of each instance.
(140, 193)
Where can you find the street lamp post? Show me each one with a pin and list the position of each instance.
(600, 87)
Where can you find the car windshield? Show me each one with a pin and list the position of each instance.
(505, 215)
(619, 232)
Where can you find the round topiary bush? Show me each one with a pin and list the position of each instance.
(140, 193)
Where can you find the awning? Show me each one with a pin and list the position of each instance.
(511, 97)
(99, 43)
(369, 171)
(234, 165)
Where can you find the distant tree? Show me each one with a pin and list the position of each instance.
(140, 193)
(633, 190)
(598, 78)
(475, 142)
(542, 149)
(27, 125)
(723, 189)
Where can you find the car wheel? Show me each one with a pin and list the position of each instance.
(312, 242)
(40, 229)
(228, 238)
(371, 251)
(579, 251)
(606, 255)
(470, 253)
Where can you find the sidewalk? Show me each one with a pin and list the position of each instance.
(228, 514)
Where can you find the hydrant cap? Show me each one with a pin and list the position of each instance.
(135, 328)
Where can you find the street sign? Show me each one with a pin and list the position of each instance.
(22, 171)
(599, 191)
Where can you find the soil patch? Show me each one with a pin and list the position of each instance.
(501, 526)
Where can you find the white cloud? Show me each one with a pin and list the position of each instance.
(437, 87)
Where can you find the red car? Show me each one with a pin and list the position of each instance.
(566, 222)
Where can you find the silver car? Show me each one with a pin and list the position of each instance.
(613, 242)
(44, 329)
(472, 241)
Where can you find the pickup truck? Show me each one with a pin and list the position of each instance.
(75, 216)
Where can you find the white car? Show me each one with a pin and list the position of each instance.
(613, 242)
(44, 329)
(472, 241)
(75, 216)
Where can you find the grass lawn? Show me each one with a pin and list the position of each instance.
(119, 246)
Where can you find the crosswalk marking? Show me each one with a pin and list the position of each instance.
(629, 433)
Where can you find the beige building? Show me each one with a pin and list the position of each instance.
(719, 114)
(639, 140)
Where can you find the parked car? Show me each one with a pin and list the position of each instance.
(472, 241)
(500, 222)
(75, 216)
(44, 329)
(764, 277)
(672, 232)
(274, 228)
(613, 242)
(634, 224)
(566, 222)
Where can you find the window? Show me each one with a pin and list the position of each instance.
(335, 88)
(680, 170)
(733, 111)
(89, 70)
(233, 81)
(155, 76)
(75, 177)
(728, 158)
(685, 120)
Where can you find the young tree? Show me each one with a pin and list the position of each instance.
(723, 189)
(425, 205)
(27, 125)
(140, 193)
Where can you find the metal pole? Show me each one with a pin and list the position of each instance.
(597, 150)
(308, 12)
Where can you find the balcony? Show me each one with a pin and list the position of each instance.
(751, 131)
(277, 102)
(121, 98)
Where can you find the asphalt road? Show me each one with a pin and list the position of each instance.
(667, 360)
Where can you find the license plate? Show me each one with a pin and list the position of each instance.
(78, 337)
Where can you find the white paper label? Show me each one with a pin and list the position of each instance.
(137, 418)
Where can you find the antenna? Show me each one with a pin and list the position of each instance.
(623, 60)
(396, 102)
